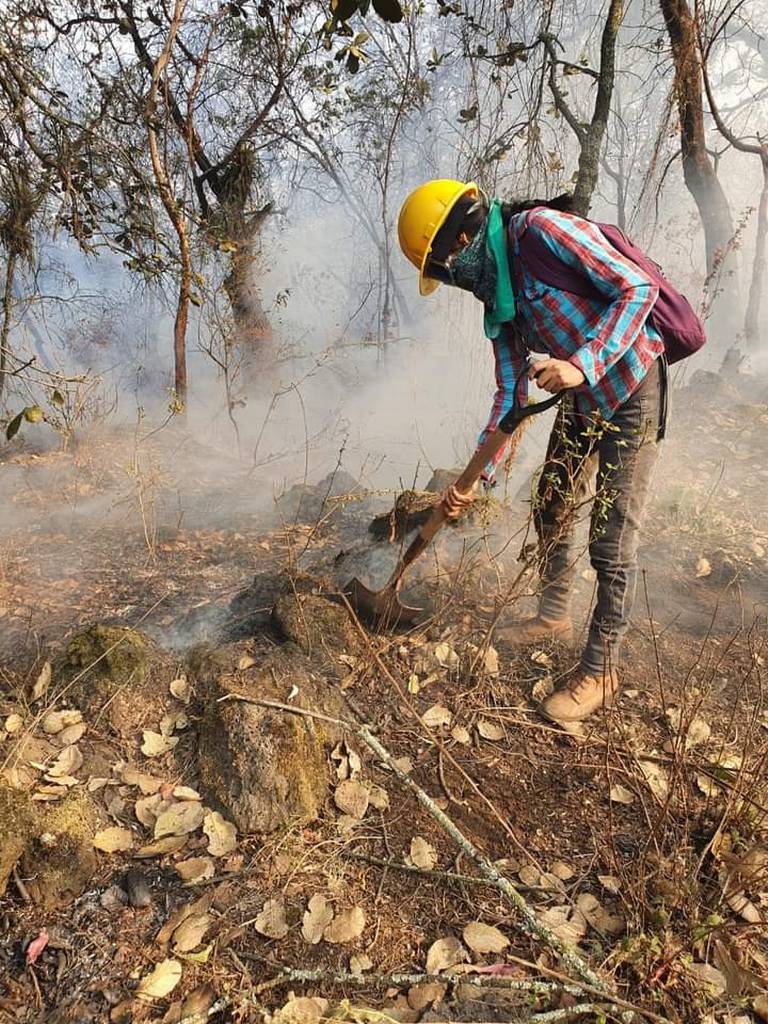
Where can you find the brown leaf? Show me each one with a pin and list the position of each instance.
(181, 689)
(317, 917)
(437, 716)
(346, 926)
(147, 808)
(222, 834)
(379, 798)
(168, 844)
(13, 723)
(352, 798)
(161, 981)
(154, 744)
(444, 954)
(54, 721)
(484, 938)
(195, 869)
(148, 784)
(491, 661)
(271, 921)
(180, 819)
(428, 993)
(621, 795)
(489, 730)
(422, 854)
(461, 735)
(201, 906)
(359, 963)
(42, 682)
(67, 763)
(113, 840)
(191, 932)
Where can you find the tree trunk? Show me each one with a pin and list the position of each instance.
(699, 174)
(760, 264)
(253, 331)
(180, 323)
(10, 271)
(174, 211)
(592, 143)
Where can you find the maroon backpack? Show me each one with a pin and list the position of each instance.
(672, 314)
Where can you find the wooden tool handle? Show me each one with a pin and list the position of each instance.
(470, 476)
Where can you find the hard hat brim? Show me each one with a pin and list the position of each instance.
(427, 285)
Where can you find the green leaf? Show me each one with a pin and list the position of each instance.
(13, 427)
(57, 398)
(33, 414)
(388, 10)
(195, 299)
(360, 39)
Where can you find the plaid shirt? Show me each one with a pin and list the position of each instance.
(610, 341)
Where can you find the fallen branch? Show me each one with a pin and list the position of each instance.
(571, 960)
(442, 876)
(289, 975)
(590, 982)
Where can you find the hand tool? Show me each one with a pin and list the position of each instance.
(384, 607)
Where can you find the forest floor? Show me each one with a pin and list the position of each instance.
(640, 841)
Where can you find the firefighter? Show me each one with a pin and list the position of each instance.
(608, 358)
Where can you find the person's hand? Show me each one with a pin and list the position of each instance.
(555, 375)
(454, 502)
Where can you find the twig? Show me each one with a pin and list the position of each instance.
(544, 988)
(407, 980)
(23, 891)
(447, 876)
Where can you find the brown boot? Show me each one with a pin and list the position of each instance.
(536, 631)
(583, 695)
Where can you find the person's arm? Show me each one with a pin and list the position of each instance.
(510, 359)
(629, 292)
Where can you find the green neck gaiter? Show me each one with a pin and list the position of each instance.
(482, 268)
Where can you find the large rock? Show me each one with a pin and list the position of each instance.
(53, 843)
(320, 627)
(311, 502)
(16, 818)
(59, 859)
(117, 671)
(261, 766)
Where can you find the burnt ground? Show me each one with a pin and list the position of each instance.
(643, 839)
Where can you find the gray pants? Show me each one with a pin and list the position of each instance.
(623, 452)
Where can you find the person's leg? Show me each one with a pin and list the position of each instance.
(627, 456)
(627, 453)
(561, 493)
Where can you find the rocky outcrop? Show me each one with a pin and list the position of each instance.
(116, 672)
(51, 843)
(263, 767)
(59, 860)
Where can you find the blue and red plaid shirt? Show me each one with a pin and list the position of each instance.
(610, 339)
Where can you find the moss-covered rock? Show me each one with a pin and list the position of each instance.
(59, 859)
(319, 627)
(261, 766)
(16, 826)
(117, 672)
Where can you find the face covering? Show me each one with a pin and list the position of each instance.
(482, 267)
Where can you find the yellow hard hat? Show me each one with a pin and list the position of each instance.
(422, 215)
